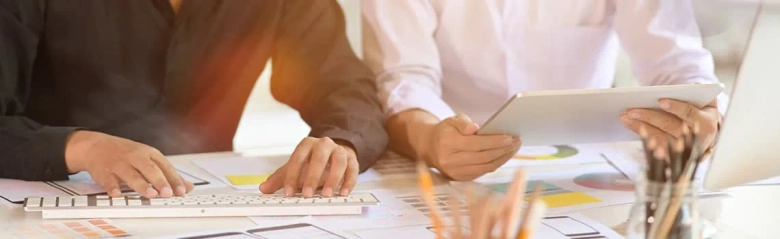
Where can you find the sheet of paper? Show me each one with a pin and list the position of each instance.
(394, 166)
(245, 171)
(591, 186)
(553, 227)
(556, 155)
(82, 184)
(398, 207)
(390, 166)
(15, 191)
(88, 229)
(300, 229)
(243, 180)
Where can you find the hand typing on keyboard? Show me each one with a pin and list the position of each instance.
(316, 162)
(112, 160)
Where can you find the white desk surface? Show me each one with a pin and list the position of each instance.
(751, 212)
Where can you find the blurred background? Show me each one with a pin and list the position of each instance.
(268, 123)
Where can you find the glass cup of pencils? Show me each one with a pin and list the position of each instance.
(666, 192)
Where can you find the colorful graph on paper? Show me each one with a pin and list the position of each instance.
(553, 195)
(605, 181)
(541, 153)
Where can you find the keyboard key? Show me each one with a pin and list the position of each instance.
(65, 202)
(322, 200)
(49, 202)
(157, 201)
(118, 202)
(103, 202)
(33, 202)
(80, 201)
(101, 196)
(134, 202)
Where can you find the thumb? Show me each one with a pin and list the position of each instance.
(273, 183)
(463, 124)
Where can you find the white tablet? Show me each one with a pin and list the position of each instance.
(588, 115)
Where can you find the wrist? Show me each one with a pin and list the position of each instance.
(76, 148)
(346, 145)
(422, 143)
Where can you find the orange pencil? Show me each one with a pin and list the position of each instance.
(526, 226)
(426, 186)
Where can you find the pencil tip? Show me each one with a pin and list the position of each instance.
(659, 153)
(651, 143)
(679, 145)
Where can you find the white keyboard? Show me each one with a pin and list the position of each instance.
(218, 205)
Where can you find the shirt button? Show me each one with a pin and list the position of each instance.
(48, 171)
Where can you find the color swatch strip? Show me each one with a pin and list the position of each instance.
(87, 229)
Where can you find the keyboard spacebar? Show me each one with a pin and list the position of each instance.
(201, 212)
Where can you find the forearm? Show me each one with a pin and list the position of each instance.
(409, 131)
(30, 151)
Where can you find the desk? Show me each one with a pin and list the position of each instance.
(752, 212)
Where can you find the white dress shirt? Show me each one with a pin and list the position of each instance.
(470, 56)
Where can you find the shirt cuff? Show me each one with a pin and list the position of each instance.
(46, 158)
(366, 154)
(409, 95)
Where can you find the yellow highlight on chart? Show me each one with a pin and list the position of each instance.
(241, 180)
(567, 199)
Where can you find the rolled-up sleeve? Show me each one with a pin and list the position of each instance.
(399, 47)
(316, 72)
(664, 44)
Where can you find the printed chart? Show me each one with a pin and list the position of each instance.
(554, 227)
(552, 195)
(296, 230)
(605, 181)
(69, 230)
(557, 155)
(591, 186)
(538, 153)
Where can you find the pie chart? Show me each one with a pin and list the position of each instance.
(605, 181)
(546, 153)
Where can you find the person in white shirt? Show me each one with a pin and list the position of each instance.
(433, 58)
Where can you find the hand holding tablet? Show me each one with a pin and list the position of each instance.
(605, 115)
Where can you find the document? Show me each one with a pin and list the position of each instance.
(15, 191)
(566, 191)
(398, 207)
(97, 228)
(242, 173)
(301, 229)
(553, 227)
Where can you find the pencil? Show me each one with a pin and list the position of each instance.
(674, 208)
(525, 223)
(676, 156)
(697, 152)
(659, 154)
(426, 186)
(513, 204)
(455, 208)
(648, 150)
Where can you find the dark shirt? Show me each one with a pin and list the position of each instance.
(177, 82)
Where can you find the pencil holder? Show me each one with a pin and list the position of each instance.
(665, 210)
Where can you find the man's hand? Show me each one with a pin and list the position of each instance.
(112, 160)
(454, 148)
(316, 162)
(669, 122)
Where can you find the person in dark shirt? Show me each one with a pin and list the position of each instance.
(110, 86)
